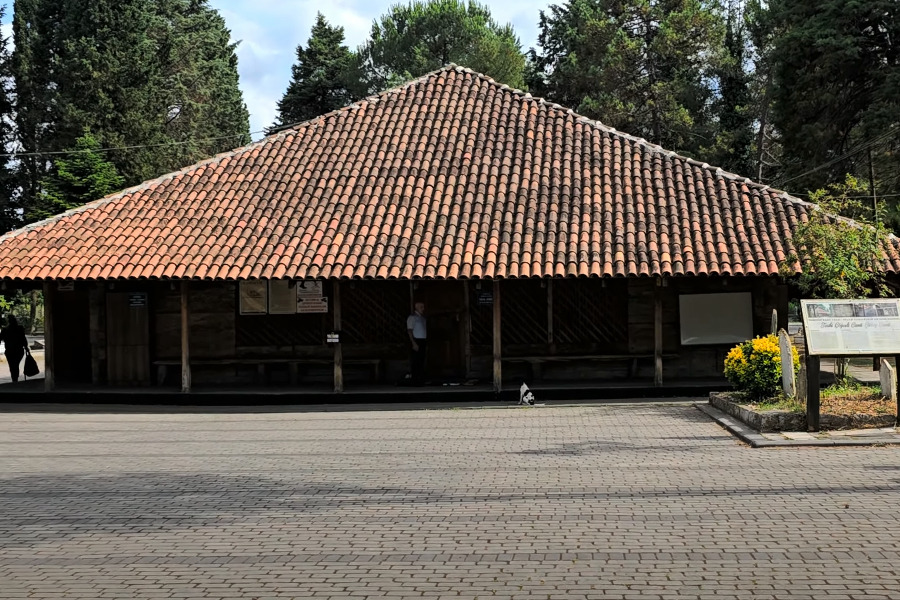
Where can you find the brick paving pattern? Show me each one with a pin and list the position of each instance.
(590, 502)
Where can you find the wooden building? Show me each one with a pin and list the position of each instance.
(545, 245)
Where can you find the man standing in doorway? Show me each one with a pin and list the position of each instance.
(415, 327)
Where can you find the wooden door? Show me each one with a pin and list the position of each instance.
(445, 311)
(128, 338)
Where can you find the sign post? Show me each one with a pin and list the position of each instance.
(841, 328)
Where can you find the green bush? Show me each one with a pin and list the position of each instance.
(754, 367)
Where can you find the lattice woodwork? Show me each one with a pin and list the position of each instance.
(523, 312)
(374, 312)
(280, 330)
(585, 312)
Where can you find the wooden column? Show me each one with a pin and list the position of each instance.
(185, 339)
(49, 367)
(658, 335)
(498, 378)
(338, 352)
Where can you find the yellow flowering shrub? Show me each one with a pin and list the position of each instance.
(754, 367)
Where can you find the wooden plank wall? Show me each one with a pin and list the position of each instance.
(212, 320)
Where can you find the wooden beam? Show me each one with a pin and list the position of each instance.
(185, 339)
(498, 376)
(338, 351)
(658, 335)
(49, 366)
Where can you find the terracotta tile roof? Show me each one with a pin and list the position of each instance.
(451, 175)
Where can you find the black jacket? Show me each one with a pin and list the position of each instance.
(16, 342)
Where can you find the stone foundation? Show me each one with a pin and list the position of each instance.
(772, 421)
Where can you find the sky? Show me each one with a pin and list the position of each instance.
(270, 30)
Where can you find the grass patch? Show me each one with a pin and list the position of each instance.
(848, 398)
(779, 403)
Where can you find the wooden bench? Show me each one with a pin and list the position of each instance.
(293, 364)
(536, 362)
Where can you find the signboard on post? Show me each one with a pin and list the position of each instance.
(851, 327)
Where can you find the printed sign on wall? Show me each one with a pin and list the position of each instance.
(254, 298)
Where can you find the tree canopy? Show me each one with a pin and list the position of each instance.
(645, 67)
(422, 36)
(156, 76)
(321, 79)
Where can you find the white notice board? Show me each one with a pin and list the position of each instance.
(716, 318)
(253, 298)
(311, 297)
(851, 327)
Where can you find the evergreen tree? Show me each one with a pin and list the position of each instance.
(734, 107)
(80, 177)
(157, 74)
(836, 89)
(9, 213)
(416, 38)
(319, 82)
(645, 67)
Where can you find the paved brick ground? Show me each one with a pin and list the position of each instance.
(642, 502)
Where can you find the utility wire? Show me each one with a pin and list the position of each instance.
(139, 146)
(850, 153)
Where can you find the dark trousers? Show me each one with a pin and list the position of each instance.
(417, 363)
(14, 361)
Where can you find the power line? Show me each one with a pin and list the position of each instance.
(137, 146)
(890, 132)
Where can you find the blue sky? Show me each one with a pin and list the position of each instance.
(269, 31)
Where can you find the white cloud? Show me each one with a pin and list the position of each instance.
(270, 31)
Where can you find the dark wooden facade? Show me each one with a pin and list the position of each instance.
(591, 329)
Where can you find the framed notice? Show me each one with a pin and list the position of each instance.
(851, 327)
(311, 297)
(716, 318)
(281, 297)
(253, 298)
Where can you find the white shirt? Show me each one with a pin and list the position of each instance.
(416, 322)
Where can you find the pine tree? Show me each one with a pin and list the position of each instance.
(416, 38)
(78, 178)
(836, 89)
(157, 74)
(319, 82)
(734, 106)
(645, 67)
(9, 209)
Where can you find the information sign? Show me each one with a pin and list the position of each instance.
(281, 297)
(254, 298)
(311, 297)
(852, 327)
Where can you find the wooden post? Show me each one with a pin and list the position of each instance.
(49, 367)
(468, 328)
(813, 388)
(550, 313)
(498, 378)
(338, 352)
(185, 339)
(658, 335)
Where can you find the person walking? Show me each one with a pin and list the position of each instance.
(418, 334)
(13, 335)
